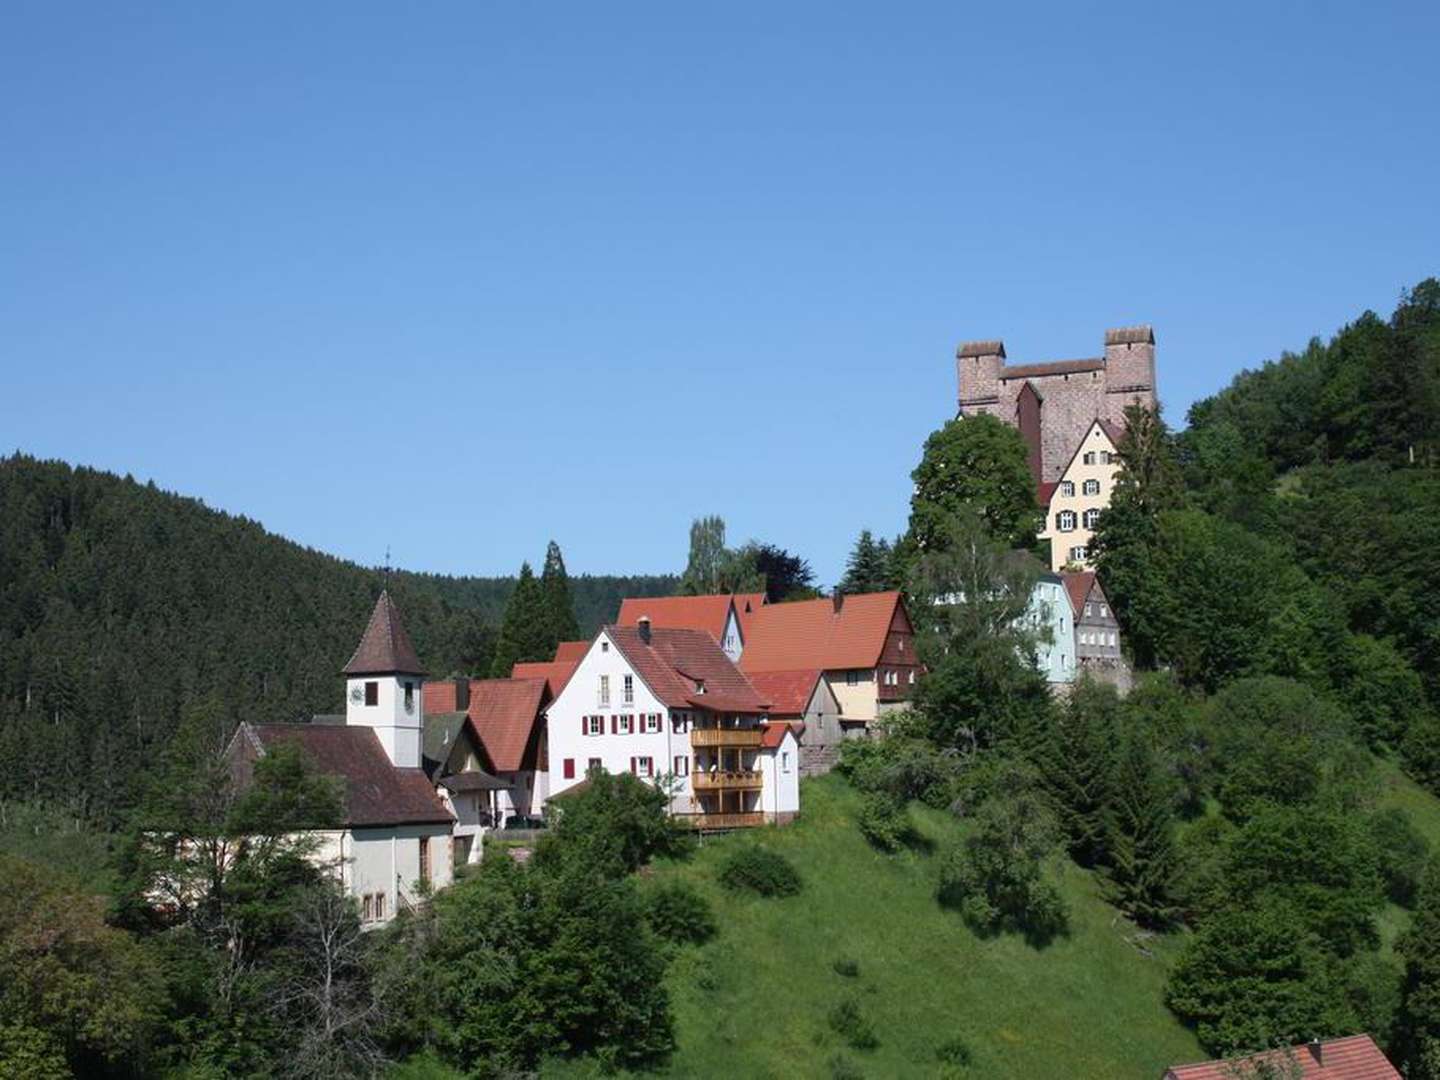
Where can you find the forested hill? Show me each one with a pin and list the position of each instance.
(122, 605)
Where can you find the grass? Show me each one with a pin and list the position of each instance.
(756, 1000)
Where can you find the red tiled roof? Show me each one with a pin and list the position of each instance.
(707, 613)
(774, 734)
(556, 673)
(504, 712)
(571, 652)
(1044, 492)
(376, 792)
(1353, 1058)
(746, 605)
(787, 691)
(438, 697)
(1052, 367)
(1078, 585)
(675, 660)
(811, 634)
(384, 648)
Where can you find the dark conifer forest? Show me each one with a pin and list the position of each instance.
(122, 606)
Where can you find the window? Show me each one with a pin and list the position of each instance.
(624, 724)
(1106, 457)
(379, 905)
(900, 644)
(372, 693)
(593, 725)
(682, 764)
(593, 765)
(409, 697)
(604, 689)
(1114, 644)
(652, 723)
(1089, 458)
(784, 760)
(1091, 517)
(1087, 611)
(424, 860)
(1065, 521)
(1092, 487)
(912, 676)
(372, 907)
(1077, 553)
(642, 766)
(628, 691)
(1104, 611)
(1067, 487)
(852, 678)
(569, 768)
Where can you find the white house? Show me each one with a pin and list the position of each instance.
(669, 706)
(1074, 502)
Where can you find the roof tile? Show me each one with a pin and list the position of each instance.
(812, 634)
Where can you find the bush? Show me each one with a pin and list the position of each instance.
(847, 966)
(1420, 751)
(848, 1021)
(842, 1068)
(762, 871)
(883, 820)
(679, 913)
(954, 1051)
(1401, 852)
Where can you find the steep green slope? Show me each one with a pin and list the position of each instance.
(754, 1001)
(122, 606)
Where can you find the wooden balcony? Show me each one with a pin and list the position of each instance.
(726, 780)
(724, 821)
(725, 737)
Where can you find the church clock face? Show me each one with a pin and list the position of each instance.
(357, 695)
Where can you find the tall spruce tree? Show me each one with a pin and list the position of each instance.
(1077, 759)
(868, 567)
(525, 631)
(559, 605)
(1144, 859)
(1420, 1011)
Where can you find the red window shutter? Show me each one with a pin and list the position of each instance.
(614, 725)
(584, 725)
(632, 767)
(569, 768)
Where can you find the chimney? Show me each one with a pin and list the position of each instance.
(643, 625)
(838, 599)
(462, 693)
(1317, 1050)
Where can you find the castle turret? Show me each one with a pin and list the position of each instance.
(1130, 363)
(383, 686)
(977, 370)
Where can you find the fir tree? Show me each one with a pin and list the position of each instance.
(1420, 1013)
(559, 606)
(525, 631)
(1144, 860)
(1077, 758)
(868, 568)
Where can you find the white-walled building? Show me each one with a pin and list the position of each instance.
(669, 706)
(1074, 502)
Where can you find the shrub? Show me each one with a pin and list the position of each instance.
(1420, 751)
(847, 966)
(842, 1068)
(848, 1021)
(1401, 852)
(954, 1051)
(883, 820)
(679, 913)
(762, 871)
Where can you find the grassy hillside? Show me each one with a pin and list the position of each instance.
(753, 1002)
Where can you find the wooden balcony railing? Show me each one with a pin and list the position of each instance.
(727, 780)
(725, 737)
(724, 821)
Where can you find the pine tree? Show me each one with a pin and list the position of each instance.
(525, 631)
(1420, 1012)
(868, 568)
(559, 606)
(1144, 859)
(1077, 758)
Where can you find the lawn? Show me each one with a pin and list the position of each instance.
(754, 1001)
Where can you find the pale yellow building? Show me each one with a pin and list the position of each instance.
(1073, 503)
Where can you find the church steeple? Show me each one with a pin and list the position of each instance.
(383, 685)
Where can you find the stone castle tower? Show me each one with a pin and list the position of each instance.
(1054, 403)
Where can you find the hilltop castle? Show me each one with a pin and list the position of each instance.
(1071, 414)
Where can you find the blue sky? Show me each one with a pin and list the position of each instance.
(460, 278)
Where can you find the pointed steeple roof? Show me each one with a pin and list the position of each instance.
(385, 648)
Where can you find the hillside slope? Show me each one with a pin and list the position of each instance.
(753, 1002)
(122, 606)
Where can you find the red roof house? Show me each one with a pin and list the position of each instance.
(1353, 1058)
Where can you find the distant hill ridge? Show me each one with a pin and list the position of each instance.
(122, 605)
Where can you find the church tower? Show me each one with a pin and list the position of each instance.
(383, 686)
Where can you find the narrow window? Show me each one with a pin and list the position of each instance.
(852, 678)
(604, 689)
(1104, 611)
(1067, 487)
(1092, 487)
(682, 764)
(597, 725)
(629, 689)
(1090, 457)
(569, 768)
(594, 765)
(784, 760)
(424, 860)
(379, 905)
(409, 697)
(1087, 611)
(372, 693)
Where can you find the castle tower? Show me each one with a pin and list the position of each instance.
(1129, 369)
(977, 373)
(383, 686)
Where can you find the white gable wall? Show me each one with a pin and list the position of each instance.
(780, 768)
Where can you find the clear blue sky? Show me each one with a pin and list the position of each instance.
(459, 278)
